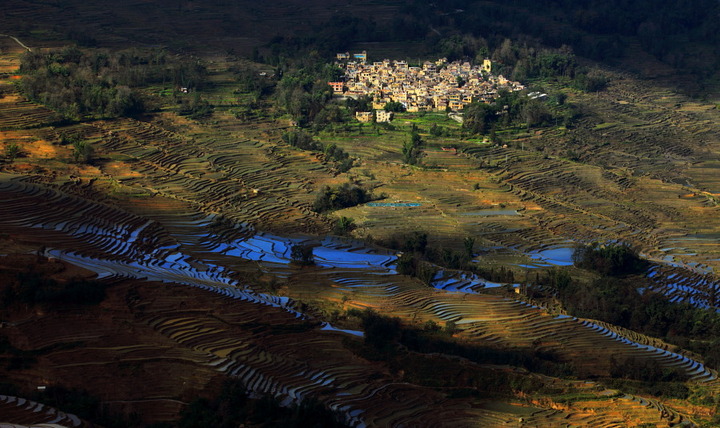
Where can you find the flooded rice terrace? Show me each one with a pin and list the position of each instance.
(188, 249)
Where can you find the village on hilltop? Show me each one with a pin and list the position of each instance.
(433, 86)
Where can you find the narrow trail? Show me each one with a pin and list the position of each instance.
(17, 41)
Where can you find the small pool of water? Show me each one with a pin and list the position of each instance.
(328, 327)
(558, 256)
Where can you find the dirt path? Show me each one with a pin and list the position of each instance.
(17, 41)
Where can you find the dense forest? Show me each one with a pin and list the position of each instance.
(682, 34)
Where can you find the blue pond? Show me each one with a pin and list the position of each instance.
(559, 256)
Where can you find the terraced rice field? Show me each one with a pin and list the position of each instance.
(16, 113)
(30, 413)
(654, 193)
(488, 320)
(183, 250)
(205, 212)
(246, 180)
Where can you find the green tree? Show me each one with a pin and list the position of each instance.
(412, 149)
(11, 151)
(98, 84)
(82, 151)
(535, 113)
(302, 254)
(478, 118)
(394, 106)
(436, 131)
(469, 244)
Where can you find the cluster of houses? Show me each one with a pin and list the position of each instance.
(433, 86)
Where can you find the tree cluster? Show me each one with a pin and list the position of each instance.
(338, 197)
(394, 106)
(82, 151)
(412, 265)
(600, 30)
(418, 247)
(648, 370)
(361, 103)
(439, 131)
(303, 140)
(303, 91)
(412, 151)
(195, 107)
(512, 108)
(251, 80)
(608, 259)
(101, 83)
